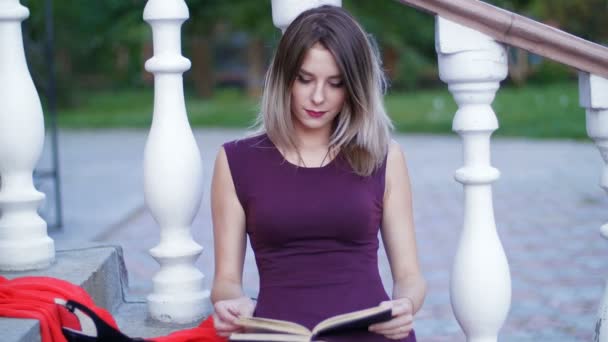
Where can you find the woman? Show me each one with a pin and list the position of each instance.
(313, 188)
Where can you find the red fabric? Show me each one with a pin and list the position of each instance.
(205, 332)
(33, 297)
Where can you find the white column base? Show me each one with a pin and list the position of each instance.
(179, 308)
(30, 254)
(178, 295)
(24, 243)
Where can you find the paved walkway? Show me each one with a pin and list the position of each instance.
(548, 209)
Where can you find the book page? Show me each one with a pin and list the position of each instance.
(268, 337)
(274, 325)
(363, 317)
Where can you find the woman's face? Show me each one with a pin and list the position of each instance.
(318, 93)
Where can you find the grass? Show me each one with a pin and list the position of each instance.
(550, 111)
(133, 109)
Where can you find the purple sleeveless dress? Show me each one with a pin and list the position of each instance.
(314, 233)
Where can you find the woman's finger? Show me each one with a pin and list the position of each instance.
(224, 313)
(225, 330)
(221, 324)
(234, 311)
(397, 330)
(399, 306)
(400, 332)
(240, 307)
(222, 328)
(397, 337)
(396, 322)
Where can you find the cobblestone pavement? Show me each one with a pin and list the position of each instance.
(548, 209)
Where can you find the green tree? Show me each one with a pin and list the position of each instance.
(208, 17)
(87, 37)
(405, 36)
(584, 18)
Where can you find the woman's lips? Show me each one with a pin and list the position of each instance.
(314, 114)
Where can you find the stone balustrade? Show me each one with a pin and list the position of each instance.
(285, 11)
(24, 243)
(593, 91)
(173, 177)
(473, 64)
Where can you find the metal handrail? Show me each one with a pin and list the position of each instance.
(521, 32)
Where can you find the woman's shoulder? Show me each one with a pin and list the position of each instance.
(249, 142)
(394, 150)
(396, 166)
(395, 159)
(392, 155)
(247, 150)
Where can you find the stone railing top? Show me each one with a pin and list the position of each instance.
(522, 32)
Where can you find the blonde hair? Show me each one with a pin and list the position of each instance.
(362, 128)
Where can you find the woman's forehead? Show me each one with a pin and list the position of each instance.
(319, 61)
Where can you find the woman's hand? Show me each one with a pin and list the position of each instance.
(402, 322)
(227, 311)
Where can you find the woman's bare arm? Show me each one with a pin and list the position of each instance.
(229, 233)
(398, 231)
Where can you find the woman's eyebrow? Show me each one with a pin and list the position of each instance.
(310, 74)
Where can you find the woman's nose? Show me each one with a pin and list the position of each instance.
(318, 96)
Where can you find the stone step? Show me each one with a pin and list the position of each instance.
(133, 320)
(99, 270)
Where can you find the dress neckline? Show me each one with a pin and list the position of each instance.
(292, 165)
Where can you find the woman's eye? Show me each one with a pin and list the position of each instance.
(303, 79)
(336, 84)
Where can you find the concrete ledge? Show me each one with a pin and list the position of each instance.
(99, 270)
(134, 321)
(12, 329)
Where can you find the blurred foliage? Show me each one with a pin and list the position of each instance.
(406, 30)
(252, 16)
(584, 18)
(550, 72)
(104, 44)
(88, 35)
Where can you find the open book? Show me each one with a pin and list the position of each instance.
(264, 329)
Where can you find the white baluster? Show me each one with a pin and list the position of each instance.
(472, 64)
(285, 11)
(593, 91)
(24, 243)
(173, 174)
